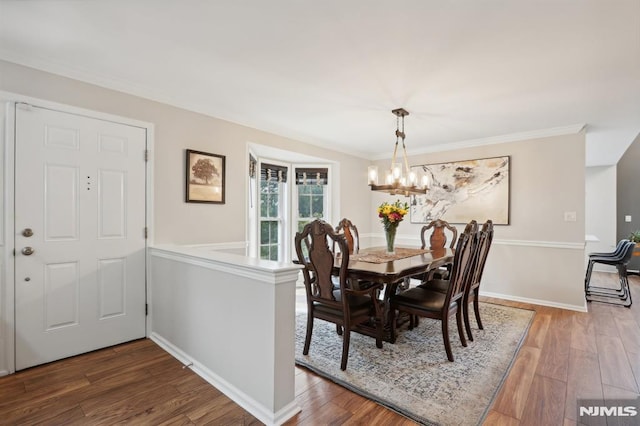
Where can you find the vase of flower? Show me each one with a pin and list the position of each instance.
(390, 235)
(391, 215)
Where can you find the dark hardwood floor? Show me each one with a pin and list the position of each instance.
(566, 355)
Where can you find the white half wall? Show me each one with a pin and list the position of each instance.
(232, 320)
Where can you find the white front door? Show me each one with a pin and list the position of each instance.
(79, 234)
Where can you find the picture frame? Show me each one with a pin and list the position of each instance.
(205, 177)
(460, 191)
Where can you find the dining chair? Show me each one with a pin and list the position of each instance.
(438, 237)
(350, 231)
(619, 248)
(438, 240)
(483, 244)
(440, 282)
(594, 256)
(426, 302)
(621, 296)
(346, 307)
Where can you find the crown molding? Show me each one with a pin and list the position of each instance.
(153, 95)
(494, 140)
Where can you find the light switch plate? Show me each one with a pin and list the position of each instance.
(569, 216)
(627, 218)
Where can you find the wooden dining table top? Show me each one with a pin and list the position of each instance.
(394, 270)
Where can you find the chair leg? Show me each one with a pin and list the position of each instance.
(307, 339)
(622, 295)
(465, 314)
(459, 322)
(345, 348)
(379, 330)
(392, 322)
(587, 277)
(624, 283)
(476, 308)
(379, 314)
(629, 292)
(445, 337)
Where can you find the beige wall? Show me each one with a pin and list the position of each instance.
(546, 179)
(539, 256)
(177, 129)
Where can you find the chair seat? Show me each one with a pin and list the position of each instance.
(441, 273)
(421, 298)
(354, 284)
(616, 253)
(615, 260)
(358, 305)
(620, 296)
(438, 285)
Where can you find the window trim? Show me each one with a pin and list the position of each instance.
(292, 160)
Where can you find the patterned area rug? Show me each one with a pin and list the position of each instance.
(413, 376)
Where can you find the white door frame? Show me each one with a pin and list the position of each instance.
(7, 229)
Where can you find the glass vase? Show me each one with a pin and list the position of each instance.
(390, 235)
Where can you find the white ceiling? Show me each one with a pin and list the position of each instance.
(329, 72)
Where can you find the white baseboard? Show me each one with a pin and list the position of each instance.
(258, 410)
(578, 308)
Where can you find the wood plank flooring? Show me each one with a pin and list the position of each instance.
(566, 355)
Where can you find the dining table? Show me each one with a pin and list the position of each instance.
(374, 264)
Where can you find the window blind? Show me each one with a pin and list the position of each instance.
(312, 176)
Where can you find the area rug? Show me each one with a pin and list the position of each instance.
(413, 377)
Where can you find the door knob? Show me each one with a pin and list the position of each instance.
(27, 251)
(27, 232)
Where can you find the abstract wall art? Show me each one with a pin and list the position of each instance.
(464, 190)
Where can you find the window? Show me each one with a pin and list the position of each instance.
(286, 191)
(272, 211)
(311, 184)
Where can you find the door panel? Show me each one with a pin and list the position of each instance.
(80, 186)
(61, 203)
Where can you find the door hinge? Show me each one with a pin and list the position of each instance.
(146, 309)
(146, 232)
(146, 155)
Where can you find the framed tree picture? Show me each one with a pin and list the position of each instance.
(205, 177)
(463, 190)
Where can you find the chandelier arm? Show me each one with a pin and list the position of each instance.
(406, 163)
(395, 151)
(395, 148)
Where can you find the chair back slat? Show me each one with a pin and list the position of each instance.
(485, 237)
(462, 259)
(438, 238)
(350, 231)
(318, 265)
(628, 252)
